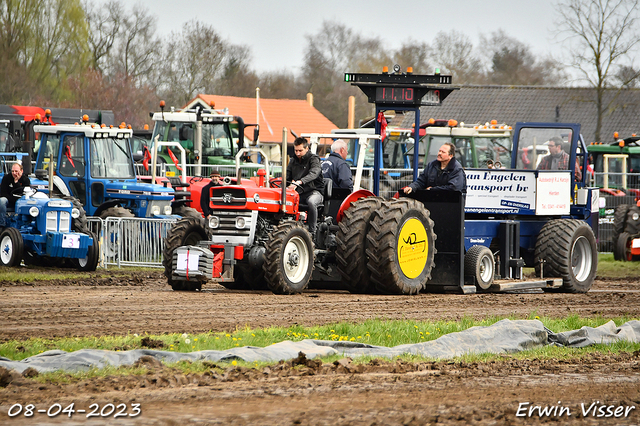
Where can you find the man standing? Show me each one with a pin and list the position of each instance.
(557, 158)
(10, 183)
(304, 174)
(336, 169)
(205, 195)
(442, 174)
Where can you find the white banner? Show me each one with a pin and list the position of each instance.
(500, 191)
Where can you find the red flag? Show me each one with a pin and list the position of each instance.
(147, 157)
(67, 153)
(383, 124)
(174, 159)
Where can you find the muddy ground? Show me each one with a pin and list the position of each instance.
(306, 391)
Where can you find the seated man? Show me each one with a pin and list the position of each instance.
(336, 168)
(557, 158)
(442, 174)
(304, 174)
(205, 196)
(9, 193)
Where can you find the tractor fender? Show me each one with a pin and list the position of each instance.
(354, 196)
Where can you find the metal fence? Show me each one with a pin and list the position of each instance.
(131, 241)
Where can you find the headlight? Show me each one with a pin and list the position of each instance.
(167, 210)
(635, 216)
(34, 211)
(240, 222)
(214, 222)
(256, 198)
(75, 213)
(155, 210)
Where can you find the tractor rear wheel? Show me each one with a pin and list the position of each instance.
(188, 231)
(568, 248)
(352, 244)
(401, 247)
(619, 224)
(11, 247)
(480, 266)
(289, 258)
(90, 262)
(185, 211)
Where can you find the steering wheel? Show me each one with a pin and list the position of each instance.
(195, 179)
(16, 191)
(275, 182)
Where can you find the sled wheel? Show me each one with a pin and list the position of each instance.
(619, 224)
(90, 262)
(479, 265)
(184, 211)
(288, 259)
(401, 247)
(352, 244)
(188, 231)
(623, 247)
(11, 247)
(569, 250)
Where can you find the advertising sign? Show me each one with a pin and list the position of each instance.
(554, 193)
(500, 191)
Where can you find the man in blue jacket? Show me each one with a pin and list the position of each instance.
(442, 174)
(335, 168)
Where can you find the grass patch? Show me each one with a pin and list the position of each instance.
(373, 332)
(610, 268)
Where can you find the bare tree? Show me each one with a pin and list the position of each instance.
(104, 26)
(414, 54)
(601, 35)
(453, 53)
(513, 63)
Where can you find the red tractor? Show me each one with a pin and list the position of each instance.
(256, 239)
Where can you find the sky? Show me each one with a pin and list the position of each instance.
(275, 30)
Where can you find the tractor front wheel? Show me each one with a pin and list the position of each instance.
(480, 266)
(289, 258)
(11, 247)
(90, 262)
(188, 231)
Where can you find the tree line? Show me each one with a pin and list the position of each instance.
(73, 54)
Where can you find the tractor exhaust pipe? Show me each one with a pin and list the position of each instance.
(284, 158)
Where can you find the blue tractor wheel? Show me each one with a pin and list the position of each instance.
(11, 247)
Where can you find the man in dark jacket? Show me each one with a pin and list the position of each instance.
(442, 174)
(9, 193)
(304, 174)
(336, 169)
(205, 195)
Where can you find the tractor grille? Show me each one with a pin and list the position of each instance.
(228, 197)
(228, 230)
(58, 221)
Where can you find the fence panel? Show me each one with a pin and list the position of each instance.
(131, 241)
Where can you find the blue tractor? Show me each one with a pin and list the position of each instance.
(95, 165)
(39, 231)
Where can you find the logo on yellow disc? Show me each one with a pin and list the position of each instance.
(413, 248)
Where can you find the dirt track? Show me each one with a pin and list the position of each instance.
(386, 393)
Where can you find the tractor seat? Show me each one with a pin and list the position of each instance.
(328, 184)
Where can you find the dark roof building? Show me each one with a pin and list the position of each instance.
(511, 104)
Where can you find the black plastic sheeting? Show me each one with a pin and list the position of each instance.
(503, 337)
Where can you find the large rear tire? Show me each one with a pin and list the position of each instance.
(185, 211)
(11, 247)
(352, 244)
(480, 266)
(401, 247)
(289, 258)
(568, 248)
(188, 231)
